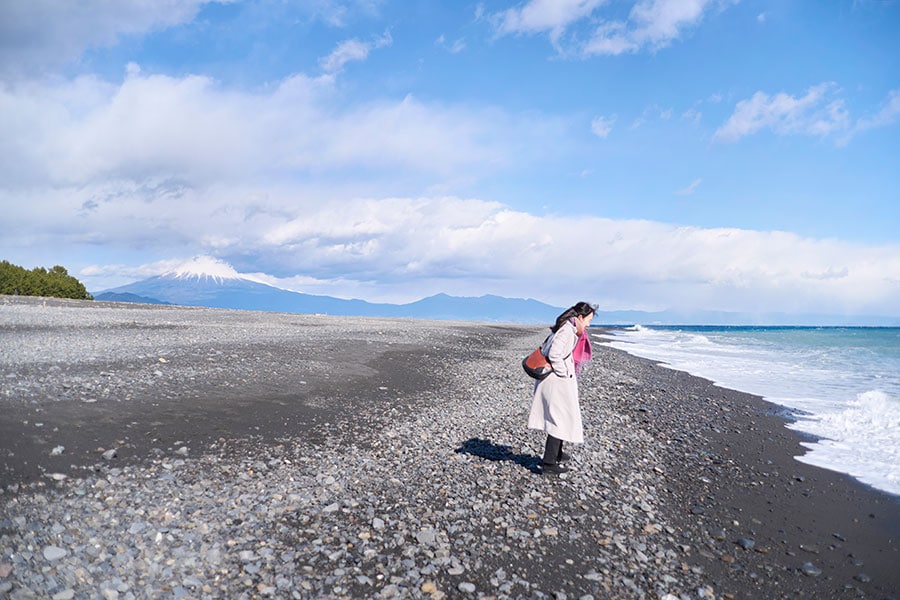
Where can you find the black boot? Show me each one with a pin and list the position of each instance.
(550, 464)
(554, 469)
(562, 456)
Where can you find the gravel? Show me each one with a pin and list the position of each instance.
(397, 465)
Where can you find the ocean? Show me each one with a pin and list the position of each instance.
(841, 384)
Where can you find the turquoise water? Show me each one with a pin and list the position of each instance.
(843, 383)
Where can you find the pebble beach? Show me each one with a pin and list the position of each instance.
(175, 452)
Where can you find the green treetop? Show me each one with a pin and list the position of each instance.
(55, 283)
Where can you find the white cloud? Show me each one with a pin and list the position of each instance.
(611, 38)
(651, 24)
(692, 115)
(352, 50)
(544, 16)
(690, 189)
(413, 247)
(782, 113)
(454, 48)
(888, 115)
(602, 126)
(191, 129)
(336, 12)
(652, 112)
(820, 112)
(656, 23)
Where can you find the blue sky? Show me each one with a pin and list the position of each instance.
(692, 154)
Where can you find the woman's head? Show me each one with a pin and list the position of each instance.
(583, 309)
(582, 313)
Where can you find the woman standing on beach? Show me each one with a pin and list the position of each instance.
(555, 407)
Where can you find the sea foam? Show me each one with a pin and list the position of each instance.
(860, 439)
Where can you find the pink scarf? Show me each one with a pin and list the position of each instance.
(582, 352)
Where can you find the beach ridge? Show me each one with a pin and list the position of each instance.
(212, 453)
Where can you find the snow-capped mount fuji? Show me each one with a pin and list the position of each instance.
(206, 267)
(205, 281)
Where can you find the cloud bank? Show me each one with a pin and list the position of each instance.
(401, 249)
(190, 128)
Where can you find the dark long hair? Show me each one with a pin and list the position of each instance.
(582, 309)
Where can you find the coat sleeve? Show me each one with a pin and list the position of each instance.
(560, 354)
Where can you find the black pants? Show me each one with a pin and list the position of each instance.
(553, 450)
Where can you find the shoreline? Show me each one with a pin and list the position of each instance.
(744, 485)
(388, 458)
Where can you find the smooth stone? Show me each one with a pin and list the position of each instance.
(52, 553)
(811, 570)
(136, 528)
(426, 536)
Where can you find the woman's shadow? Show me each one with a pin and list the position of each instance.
(491, 451)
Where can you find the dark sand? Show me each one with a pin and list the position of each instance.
(267, 391)
(164, 418)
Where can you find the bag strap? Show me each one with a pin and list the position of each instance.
(552, 334)
(544, 343)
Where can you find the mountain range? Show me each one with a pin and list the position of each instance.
(235, 291)
(216, 291)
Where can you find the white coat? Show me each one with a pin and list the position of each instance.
(555, 407)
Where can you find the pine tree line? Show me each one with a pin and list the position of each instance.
(55, 283)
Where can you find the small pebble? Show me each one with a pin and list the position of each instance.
(811, 570)
(52, 553)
